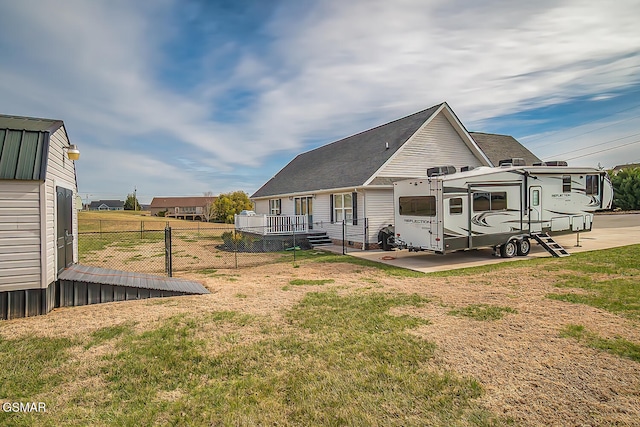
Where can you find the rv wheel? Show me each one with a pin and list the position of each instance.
(508, 250)
(524, 247)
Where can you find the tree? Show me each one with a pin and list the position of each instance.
(132, 203)
(209, 209)
(626, 189)
(229, 204)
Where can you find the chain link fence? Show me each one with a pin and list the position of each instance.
(149, 248)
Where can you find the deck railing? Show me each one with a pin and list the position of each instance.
(272, 224)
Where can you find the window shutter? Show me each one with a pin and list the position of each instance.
(331, 207)
(354, 205)
(279, 206)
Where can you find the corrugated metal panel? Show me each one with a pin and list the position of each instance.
(436, 144)
(21, 154)
(81, 273)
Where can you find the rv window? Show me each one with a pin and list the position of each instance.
(418, 205)
(489, 201)
(593, 182)
(535, 199)
(481, 202)
(499, 201)
(566, 184)
(455, 206)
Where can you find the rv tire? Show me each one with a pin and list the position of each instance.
(524, 247)
(509, 249)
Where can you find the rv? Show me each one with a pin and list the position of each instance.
(501, 207)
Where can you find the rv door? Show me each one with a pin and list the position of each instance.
(535, 209)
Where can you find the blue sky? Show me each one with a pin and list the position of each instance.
(180, 97)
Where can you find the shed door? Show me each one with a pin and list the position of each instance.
(64, 241)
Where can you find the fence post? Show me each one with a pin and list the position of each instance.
(294, 245)
(365, 237)
(141, 230)
(168, 261)
(344, 242)
(100, 227)
(235, 244)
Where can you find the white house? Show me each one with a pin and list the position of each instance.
(351, 180)
(38, 219)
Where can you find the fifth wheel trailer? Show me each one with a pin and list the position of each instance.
(500, 207)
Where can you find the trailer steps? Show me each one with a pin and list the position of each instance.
(550, 245)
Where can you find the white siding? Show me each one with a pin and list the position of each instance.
(261, 207)
(436, 144)
(60, 172)
(379, 211)
(19, 235)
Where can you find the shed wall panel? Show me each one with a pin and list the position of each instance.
(19, 235)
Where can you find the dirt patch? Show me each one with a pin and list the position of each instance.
(528, 371)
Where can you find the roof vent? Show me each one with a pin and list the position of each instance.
(441, 170)
(516, 161)
(467, 168)
(386, 145)
(551, 163)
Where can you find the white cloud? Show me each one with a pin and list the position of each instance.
(323, 72)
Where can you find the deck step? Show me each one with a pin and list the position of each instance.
(550, 245)
(319, 239)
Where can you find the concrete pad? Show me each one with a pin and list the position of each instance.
(608, 231)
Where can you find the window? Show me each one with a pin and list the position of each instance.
(274, 206)
(496, 201)
(418, 206)
(455, 206)
(566, 184)
(342, 207)
(535, 198)
(593, 184)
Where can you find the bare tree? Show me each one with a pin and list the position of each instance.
(209, 208)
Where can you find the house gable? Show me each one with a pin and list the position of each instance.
(441, 140)
(349, 162)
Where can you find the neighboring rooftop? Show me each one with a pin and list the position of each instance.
(500, 147)
(180, 202)
(627, 166)
(109, 203)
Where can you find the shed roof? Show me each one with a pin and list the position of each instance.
(500, 147)
(345, 163)
(24, 146)
(180, 202)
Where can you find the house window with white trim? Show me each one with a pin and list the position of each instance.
(274, 206)
(343, 207)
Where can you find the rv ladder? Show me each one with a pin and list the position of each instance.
(550, 245)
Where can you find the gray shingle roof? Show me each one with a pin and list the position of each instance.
(110, 203)
(501, 147)
(348, 162)
(24, 146)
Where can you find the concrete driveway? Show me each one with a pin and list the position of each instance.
(609, 231)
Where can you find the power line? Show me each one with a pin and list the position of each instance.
(591, 146)
(573, 127)
(589, 131)
(602, 151)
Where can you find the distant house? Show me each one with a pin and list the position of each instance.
(618, 168)
(192, 208)
(107, 205)
(351, 180)
(38, 215)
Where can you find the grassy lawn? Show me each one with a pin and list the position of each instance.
(335, 360)
(335, 356)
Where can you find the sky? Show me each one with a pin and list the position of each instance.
(183, 97)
